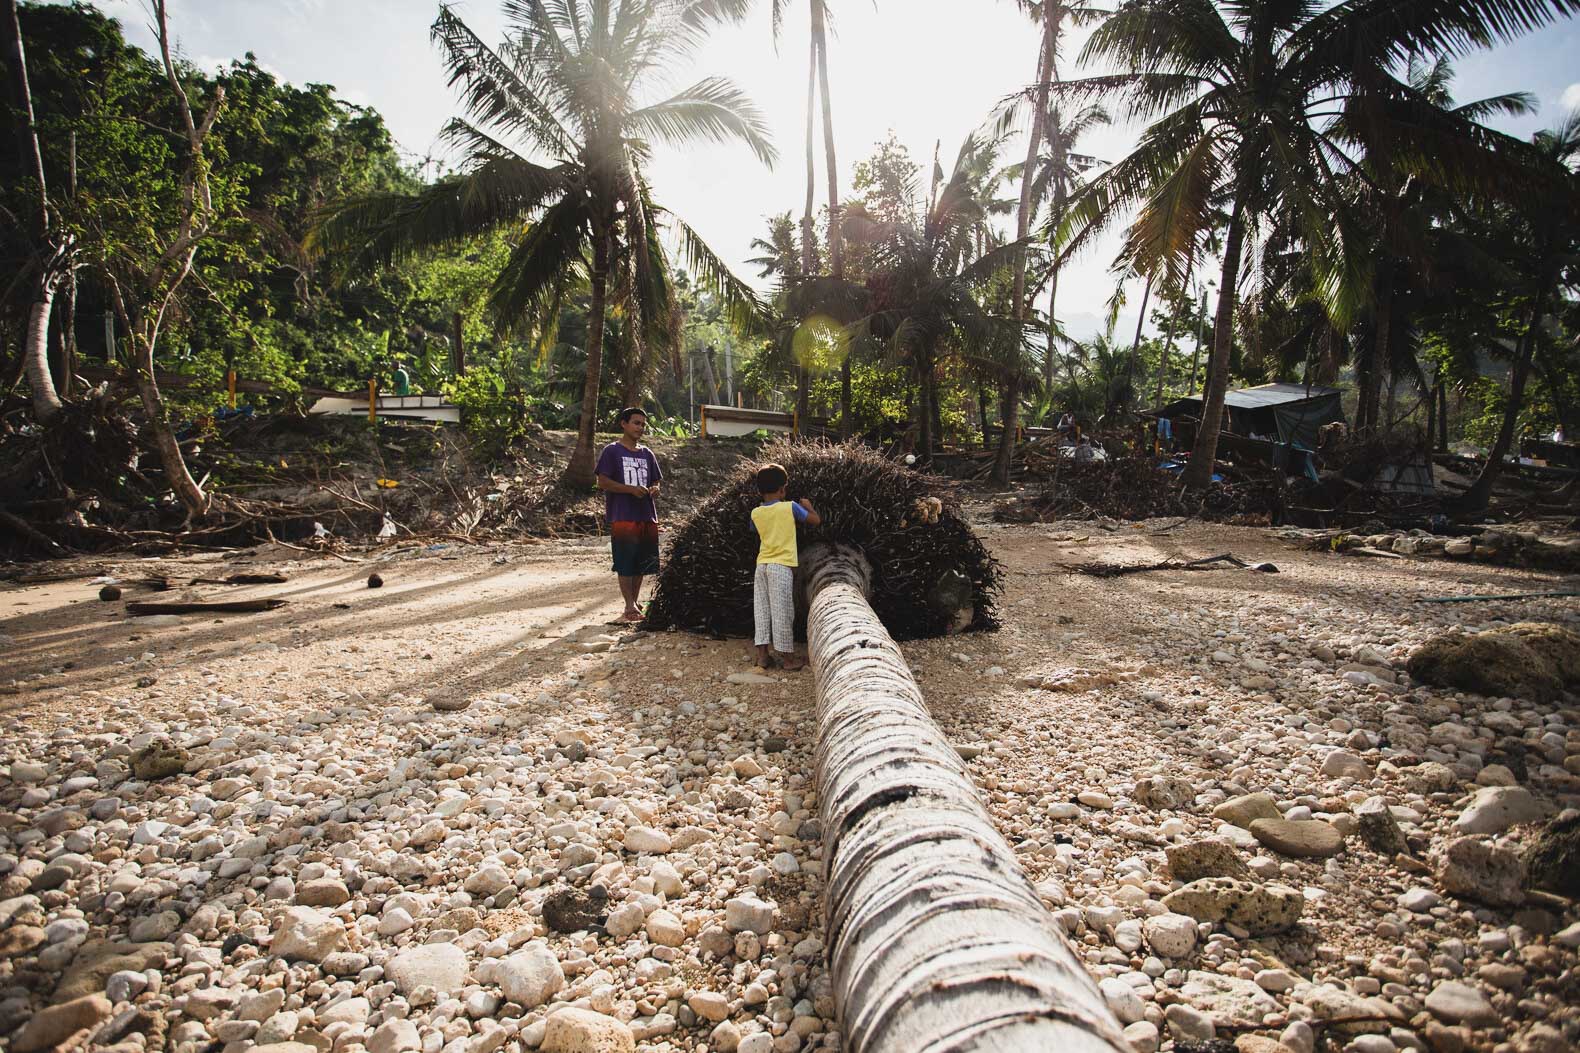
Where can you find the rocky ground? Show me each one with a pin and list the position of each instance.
(463, 813)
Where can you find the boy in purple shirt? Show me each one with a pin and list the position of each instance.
(628, 474)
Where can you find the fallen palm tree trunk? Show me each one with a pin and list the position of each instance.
(937, 942)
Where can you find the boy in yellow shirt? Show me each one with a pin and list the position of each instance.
(773, 586)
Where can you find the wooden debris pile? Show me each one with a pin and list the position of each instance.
(1540, 550)
(907, 524)
(1134, 487)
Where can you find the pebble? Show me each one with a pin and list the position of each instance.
(1493, 809)
(582, 1031)
(1458, 1003)
(1298, 837)
(531, 976)
(655, 860)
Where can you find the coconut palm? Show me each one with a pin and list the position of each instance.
(1403, 211)
(565, 87)
(817, 97)
(1541, 241)
(1247, 94)
(929, 291)
(1052, 16)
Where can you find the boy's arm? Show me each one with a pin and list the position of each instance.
(808, 514)
(606, 483)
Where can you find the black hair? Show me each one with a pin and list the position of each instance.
(771, 478)
(629, 412)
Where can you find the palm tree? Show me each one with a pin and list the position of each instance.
(1403, 211)
(817, 95)
(929, 292)
(50, 247)
(1052, 15)
(1248, 94)
(565, 87)
(1541, 242)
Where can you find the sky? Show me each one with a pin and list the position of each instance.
(932, 71)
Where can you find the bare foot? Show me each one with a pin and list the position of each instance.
(633, 615)
(791, 665)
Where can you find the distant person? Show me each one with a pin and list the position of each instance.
(773, 585)
(1066, 423)
(629, 476)
(1558, 434)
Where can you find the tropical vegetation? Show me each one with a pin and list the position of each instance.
(1306, 200)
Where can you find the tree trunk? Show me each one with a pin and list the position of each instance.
(924, 415)
(1195, 356)
(844, 397)
(1431, 414)
(1480, 492)
(1442, 416)
(1053, 325)
(1010, 399)
(934, 406)
(1553, 379)
(180, 480)
(68, 334)
(803, 396)
(1204, 454)
(836, 237)
(579, 472)
(1168, 349)
(1135, 345)
(936, 939)
(808, 219)
(1369, 369)
(982, 413)
(35, 351)
(836, 219)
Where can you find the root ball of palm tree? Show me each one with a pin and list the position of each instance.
(931, 575)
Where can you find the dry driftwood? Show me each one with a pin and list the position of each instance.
(936, 939)
(224, 607)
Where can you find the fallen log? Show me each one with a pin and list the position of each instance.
(224, 607)
(937, 941)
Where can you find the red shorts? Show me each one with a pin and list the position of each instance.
(635, 548)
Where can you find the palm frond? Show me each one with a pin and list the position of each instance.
(546, 262)
(494, 92)
(713, 109)
(740, 302)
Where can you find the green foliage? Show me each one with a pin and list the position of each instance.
(494, 416)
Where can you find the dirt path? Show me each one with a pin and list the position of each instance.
(1229, 680)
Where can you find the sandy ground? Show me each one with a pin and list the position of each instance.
(1147, 678)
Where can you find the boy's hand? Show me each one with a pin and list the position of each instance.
(806, 503)
(639, 491)
(652, 491)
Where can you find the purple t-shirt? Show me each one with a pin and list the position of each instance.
(636, 467)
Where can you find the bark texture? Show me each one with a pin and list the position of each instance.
(937, 941)
(579, 472)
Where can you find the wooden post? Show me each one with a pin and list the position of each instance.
(230, 386)
(936, 939)
(457, 347)
(373, 400)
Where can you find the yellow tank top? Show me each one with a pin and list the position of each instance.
(776, 530)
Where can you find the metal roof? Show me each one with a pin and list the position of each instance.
(1267, 395)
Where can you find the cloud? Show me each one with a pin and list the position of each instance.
(1570, 99)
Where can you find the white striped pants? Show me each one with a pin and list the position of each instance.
(773, 605)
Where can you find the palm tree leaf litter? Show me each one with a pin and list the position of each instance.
(906, 523)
